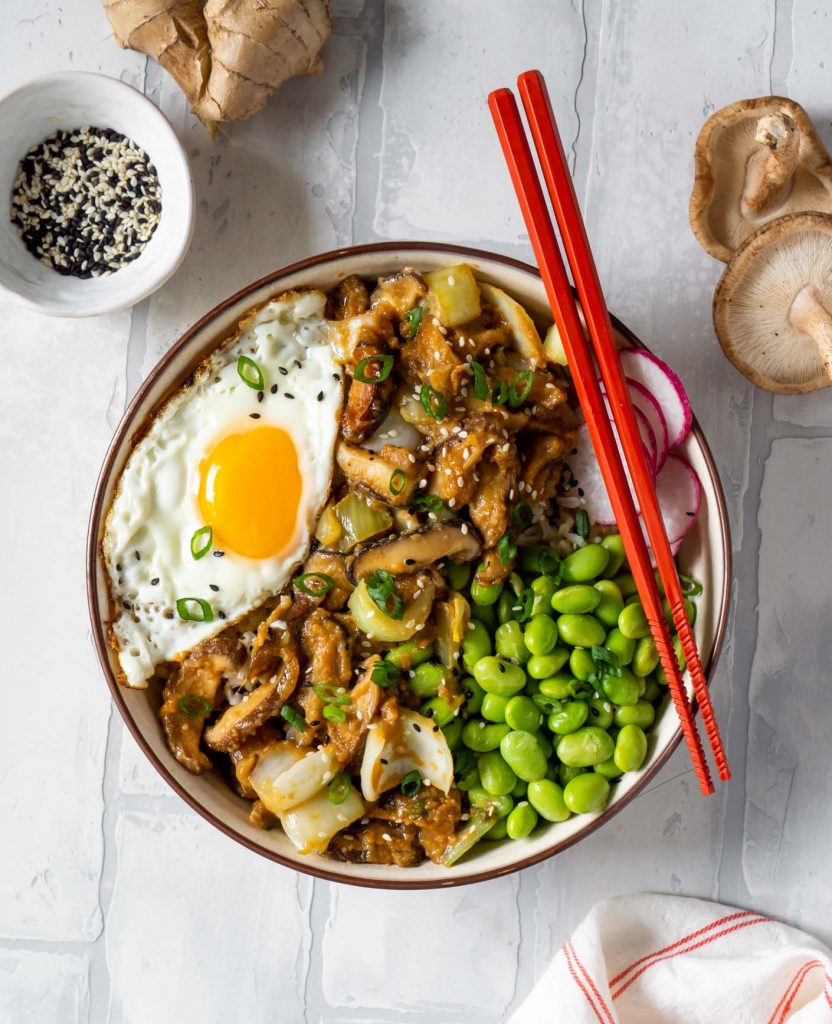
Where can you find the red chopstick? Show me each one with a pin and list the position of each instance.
(544, 242)
(538, 107)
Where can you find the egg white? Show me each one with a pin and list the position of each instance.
(155, 511)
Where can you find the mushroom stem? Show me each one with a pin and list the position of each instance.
(809, 315)
(772, 166)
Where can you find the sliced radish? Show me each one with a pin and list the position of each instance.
(590, 486)
(644, 402)
(665, 387)
(680, 497)
(648, 440)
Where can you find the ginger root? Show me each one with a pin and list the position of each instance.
(227, 56)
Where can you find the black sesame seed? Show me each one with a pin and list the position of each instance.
(218, 554)
(220, 615)
(691, 514)
(417, 727)
(283, 370)
(155, 581)
(213, 587)
(384, 760)
(410, 561)
(119, 567)
(320, 396)
(259, 396)
(286, 394)
(254, 415)
(337, 376)
(580, 492)
(273, 389)
(137, 556)
(298, 364)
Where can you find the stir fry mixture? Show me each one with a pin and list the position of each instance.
(462, 655)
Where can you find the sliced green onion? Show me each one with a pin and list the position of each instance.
(195, 707)
(185, 610)
(314, 583)
(690, 586)
(548, 562)
(426, 503)
(582, 523)
(507, 548)
(398, 481)
(334, 714)
(433, 402)
(293, 718)
(520, 387)
(385, 366)
(480, 383)
(339, 788)
(547, 704)
(201, 541)
(331, 694)
(250, 373)
(526, 604)
(521, 515)
(380, 587)
(385, 673)
(580, 690)
(499, 396)
(411, 783)
(414, 318)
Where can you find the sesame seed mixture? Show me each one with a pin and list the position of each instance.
(86, 201)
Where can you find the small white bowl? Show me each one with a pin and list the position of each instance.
(73, 100)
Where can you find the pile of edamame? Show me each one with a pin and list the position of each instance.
(562, 684)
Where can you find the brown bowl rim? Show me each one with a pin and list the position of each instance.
(99, 632)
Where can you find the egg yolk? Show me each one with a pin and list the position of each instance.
(249, 492)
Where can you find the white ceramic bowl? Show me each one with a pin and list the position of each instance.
(706, 555)
(72, 100)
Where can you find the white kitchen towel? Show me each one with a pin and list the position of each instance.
(651, 959)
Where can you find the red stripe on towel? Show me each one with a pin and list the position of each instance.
(581, 985)
(591, 983)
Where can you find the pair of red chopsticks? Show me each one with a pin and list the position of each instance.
(521, 165)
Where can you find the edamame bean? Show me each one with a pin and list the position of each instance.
(630, 748)
(480, 737)
(615, 545)
(586, 794)
(522, 821)
(480, 797)
(621, 646)
(538, 558)
(496, 675)
(610, 604)
(497, 830)
(485, 594)
(496, 776)
(508, 606)
(646, 657)
(543, 587)
(641, 714)
(410, 654)
(476, 644)
(468, 780)
(565, 773)
(426, 679)
(438, 710)
(453, 733)
(546, 797)
(520, 790)
(494, 708)
(558, 687)
(600, 712)
(522, 714)
(581, 630)
(581, 664)
(626, 584)
(458, 574)
(524, 756)
(633, 622)
(569, 718)
(621, 690)
(585, 564)
(486, 614)
(652, 690)
(642, 685)
(475, 695)
(508, 641)
(576, 600)
(690, 609)
(541, 635)
(609, 769)
(586, 747)
(541, 666)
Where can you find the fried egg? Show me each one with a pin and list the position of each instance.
(217, 502)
